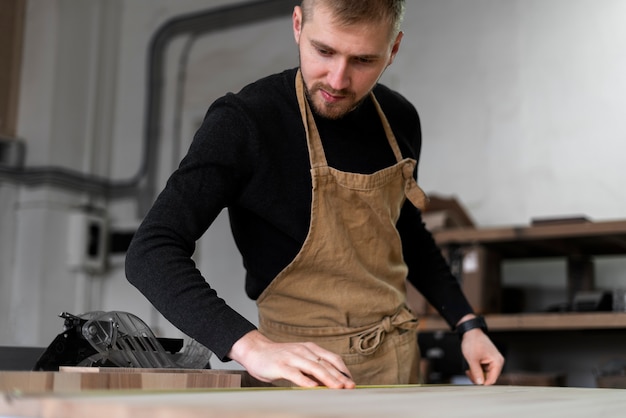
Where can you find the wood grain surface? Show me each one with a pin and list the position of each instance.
(112, 379)
(370, 402)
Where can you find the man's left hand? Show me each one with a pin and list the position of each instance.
(484, 360)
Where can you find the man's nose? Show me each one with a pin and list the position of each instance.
(338, 76)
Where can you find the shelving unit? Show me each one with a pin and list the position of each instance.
(570, 344)
(577, 241)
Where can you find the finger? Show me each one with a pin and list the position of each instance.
(491, 374)
(476, 374)
(339, 366)
(326, 374)
(301, 379)
(339, 375)
(333, 359)
(307, 364)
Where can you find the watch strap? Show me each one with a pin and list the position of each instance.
(476, 322)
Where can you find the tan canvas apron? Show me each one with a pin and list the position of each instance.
(345, 289)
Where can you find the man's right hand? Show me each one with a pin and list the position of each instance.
(305, 364)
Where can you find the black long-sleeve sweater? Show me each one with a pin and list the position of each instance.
(250, 156)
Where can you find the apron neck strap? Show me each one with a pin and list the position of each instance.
(316, 150)
(317, 156)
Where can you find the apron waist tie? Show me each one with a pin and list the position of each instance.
(370, 339)
(411, 190)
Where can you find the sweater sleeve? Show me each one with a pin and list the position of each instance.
(158, 261)
(428, 270)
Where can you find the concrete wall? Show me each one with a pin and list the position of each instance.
(522, 105)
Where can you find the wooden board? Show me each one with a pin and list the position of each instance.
(245, 380)
(77, 381)
(408, 401)
(26, 382)
(591, 238)
(538, 322)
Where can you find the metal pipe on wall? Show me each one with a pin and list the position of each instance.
(143, 183)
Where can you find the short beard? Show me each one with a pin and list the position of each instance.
(332, 112)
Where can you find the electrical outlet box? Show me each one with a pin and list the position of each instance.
(12, 152)
(87, 241)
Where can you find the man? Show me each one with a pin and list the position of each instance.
(316, 166)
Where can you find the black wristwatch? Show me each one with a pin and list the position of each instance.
(477, 322)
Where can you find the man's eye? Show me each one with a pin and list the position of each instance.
(364, 60)
(323, 51)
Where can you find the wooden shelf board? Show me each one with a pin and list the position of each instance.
(589, 238)
(538, 321)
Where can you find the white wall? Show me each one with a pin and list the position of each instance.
(522, 105)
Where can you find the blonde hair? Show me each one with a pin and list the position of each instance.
(348, 12)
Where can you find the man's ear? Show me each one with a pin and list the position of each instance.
(396, 47)
(297, 23)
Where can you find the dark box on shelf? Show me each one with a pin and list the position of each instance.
(479, 277)
(478, 271)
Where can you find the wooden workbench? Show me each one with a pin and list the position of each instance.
(400, 402)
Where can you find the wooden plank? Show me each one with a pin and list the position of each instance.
(78, 381)
(119, 381)
(371, 402)
(168, 381)
(26, 382)
(128, 370)
(591, 229)
(246, 380)
(144, 381)
(593, 238)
